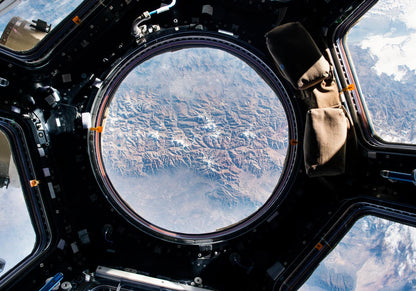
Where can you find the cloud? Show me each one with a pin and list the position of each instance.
(388, 31)
(404, 11)
(395, 55)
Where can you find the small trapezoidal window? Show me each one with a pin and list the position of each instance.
(381, 48)
(195, 139)
(376, 254)
(18, 238)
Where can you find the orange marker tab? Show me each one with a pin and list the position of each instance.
(350, 87)
(34, 183)
(293, 142)
(77, 20)
(319, 246)
(98, 129)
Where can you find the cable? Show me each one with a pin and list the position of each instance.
(147, 15)
(163, 9)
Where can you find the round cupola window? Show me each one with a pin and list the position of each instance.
(196, 138)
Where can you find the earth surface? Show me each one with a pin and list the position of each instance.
(195, 140)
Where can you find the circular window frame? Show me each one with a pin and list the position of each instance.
(175, 42)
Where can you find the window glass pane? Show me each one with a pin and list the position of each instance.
(17, 16)
(195, 140)
(376, 254)
(17, 235)
(382, 47)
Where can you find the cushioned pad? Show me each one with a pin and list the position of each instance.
(324, 94)
(297, 56)
(325, 141)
